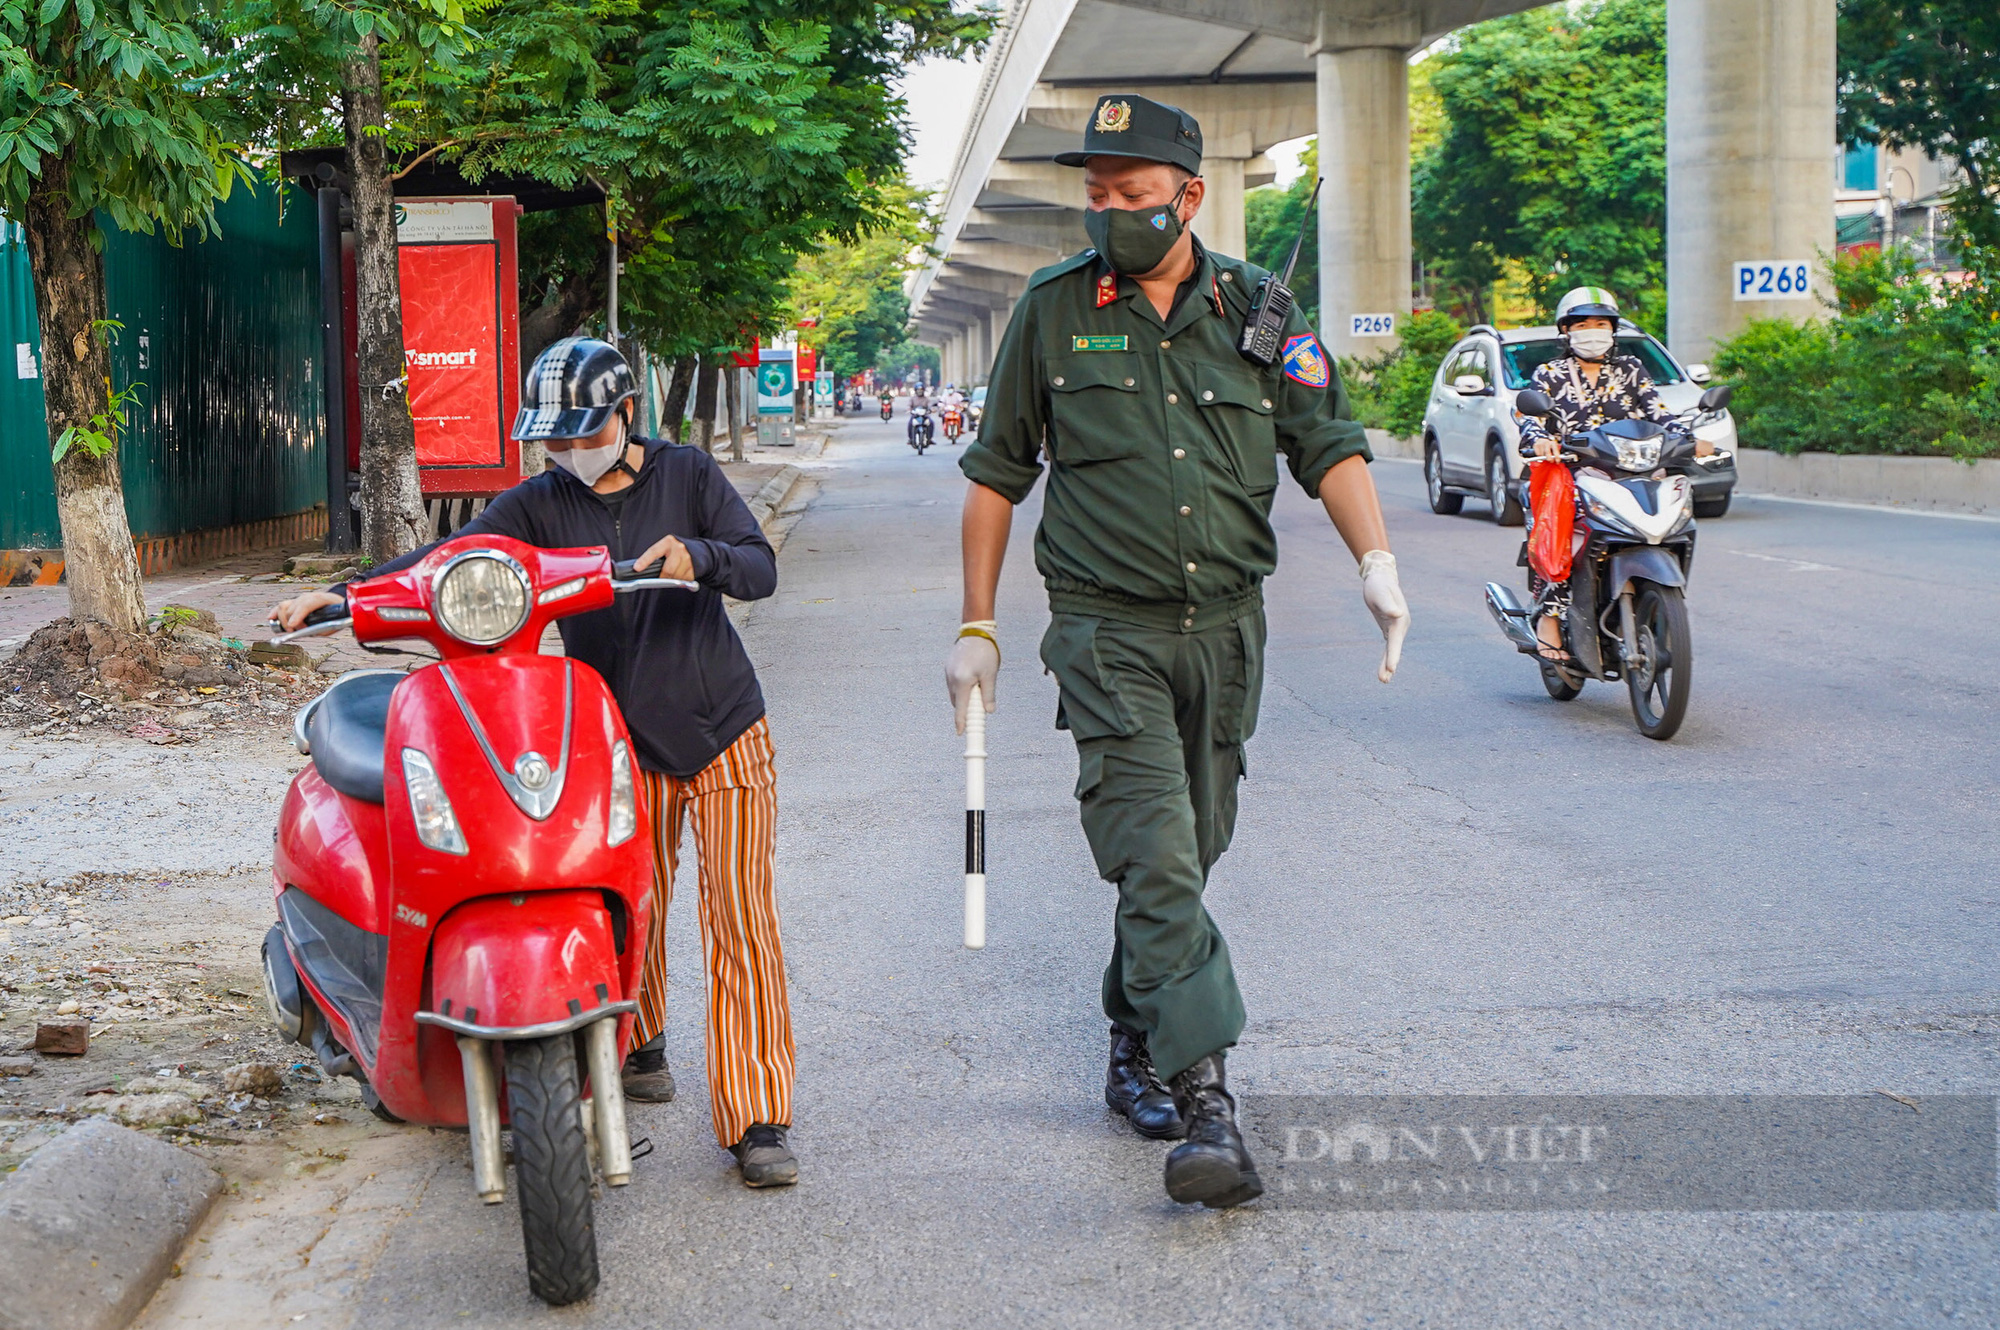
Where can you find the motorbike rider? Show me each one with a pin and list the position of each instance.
(692, 704)
(920, 402)
(1590, 384)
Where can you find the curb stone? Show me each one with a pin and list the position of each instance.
(92, 1223)
(770, 500)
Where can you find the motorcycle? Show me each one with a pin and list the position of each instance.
(954, 424)
(1628, 614)
(463, 879)
(920, 429)
(888, 407)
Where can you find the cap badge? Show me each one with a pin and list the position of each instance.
(1114, 117)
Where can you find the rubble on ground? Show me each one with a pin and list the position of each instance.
(180, 681)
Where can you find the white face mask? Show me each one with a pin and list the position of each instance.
(589, 464)
(1592, 343)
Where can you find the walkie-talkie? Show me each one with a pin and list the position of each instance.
(1264, 330)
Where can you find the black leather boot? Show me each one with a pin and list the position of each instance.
(1211, 1167)
(1133, 1088)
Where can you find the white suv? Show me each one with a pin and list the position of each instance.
(1472, 436)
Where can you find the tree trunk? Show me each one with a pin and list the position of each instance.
(392, 499)
(704, 407)
(732, 384)
(98, 558)
(677, 397)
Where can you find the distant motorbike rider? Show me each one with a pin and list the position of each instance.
(920, 405)
(1591, 384)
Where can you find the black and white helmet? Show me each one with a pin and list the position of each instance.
(572, 390)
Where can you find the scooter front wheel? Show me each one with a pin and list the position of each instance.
(1659, 680)
(552, 1168)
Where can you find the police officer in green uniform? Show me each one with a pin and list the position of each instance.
(1120, 367)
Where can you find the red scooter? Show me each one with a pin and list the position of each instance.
(463, 880)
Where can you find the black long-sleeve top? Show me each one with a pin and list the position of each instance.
(672, 658)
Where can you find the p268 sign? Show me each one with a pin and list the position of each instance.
(1770, 279)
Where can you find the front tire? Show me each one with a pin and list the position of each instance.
(1506, 511)
(1660, 679)
(552, 1169)
(1444, 502)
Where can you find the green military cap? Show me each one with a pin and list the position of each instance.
(1124, 124)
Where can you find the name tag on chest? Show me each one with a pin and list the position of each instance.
(1101, 342)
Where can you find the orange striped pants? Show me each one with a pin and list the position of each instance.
(734, 801)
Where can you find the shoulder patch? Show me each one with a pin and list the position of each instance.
(1304, 361)
(1043, 276)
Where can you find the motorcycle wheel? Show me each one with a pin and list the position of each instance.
(1559, 684)
(1660, 679)
(552, 1168)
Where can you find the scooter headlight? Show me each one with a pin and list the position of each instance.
(624, 797)
(481, 597)
(437, 825)
(1638, 454)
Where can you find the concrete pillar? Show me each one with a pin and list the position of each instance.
(1750, 157)
(1364, 210)
(996, 329)
(1220, 224)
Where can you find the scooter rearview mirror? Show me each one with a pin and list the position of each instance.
(1534, 403)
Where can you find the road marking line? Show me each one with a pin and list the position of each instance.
(1796, 565)
(1870, 507)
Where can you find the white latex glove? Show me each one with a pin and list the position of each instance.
(1383, 594)
(973, 660)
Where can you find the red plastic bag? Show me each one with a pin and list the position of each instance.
(1552, 496)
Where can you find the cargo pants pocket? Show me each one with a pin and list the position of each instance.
(1088, 705)
(1239, 679)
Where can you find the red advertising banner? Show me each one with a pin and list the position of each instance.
(461, 341)
(450, 337)
(808, 363)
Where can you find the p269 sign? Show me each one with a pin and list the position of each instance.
(1371, 325)
(1770, 279)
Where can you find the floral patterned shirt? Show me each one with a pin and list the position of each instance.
(1623, 391)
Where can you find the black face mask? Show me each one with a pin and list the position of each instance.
(1135, 241)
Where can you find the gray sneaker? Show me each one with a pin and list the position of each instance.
(646, 1077)
(765, 1158)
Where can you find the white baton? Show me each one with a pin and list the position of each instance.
(975, 821)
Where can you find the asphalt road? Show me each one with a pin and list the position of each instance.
(1448, 885)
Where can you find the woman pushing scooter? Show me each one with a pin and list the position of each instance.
(691, 701)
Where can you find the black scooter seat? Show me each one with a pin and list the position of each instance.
(348, 729)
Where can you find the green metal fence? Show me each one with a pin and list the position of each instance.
(223, 335)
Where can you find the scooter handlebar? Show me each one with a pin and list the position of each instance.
(628, 576)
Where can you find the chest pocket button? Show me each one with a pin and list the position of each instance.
(1208, 397)
(1059, 380)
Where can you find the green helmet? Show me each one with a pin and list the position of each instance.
(1586, 302)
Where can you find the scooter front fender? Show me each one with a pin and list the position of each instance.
(1651, 563)
(525, 966)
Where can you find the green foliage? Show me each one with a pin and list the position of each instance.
(120, 96)
(1389, 391)
(735, 135)
(174, 616)
(1271, 218)
(1922, 74)
(1904, 364)
(100, 437)
(855, 290)
(1552, 154)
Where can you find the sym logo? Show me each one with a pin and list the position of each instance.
(414, 918)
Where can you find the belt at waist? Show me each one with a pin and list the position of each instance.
(1167, 616)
